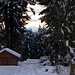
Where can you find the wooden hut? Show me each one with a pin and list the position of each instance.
(9, 57)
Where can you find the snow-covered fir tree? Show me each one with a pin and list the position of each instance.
(13, 16)
(59, 16)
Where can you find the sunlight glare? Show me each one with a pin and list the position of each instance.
(35, 22)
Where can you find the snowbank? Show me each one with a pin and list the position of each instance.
(31, 67)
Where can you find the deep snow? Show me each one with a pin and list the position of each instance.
(31, 67)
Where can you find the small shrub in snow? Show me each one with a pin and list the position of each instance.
(45, 60)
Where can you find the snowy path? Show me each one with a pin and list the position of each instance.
(34, 69)
(30, 67)
(9, 70)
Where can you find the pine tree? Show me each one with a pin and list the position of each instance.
(59, 15)
(11, 13)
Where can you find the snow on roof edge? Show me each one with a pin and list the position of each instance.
(11, 51)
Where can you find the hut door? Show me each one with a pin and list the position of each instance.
(5, 61)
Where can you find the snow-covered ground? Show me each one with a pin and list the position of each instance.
(31, 67)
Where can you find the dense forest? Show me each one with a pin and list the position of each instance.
(57, 40)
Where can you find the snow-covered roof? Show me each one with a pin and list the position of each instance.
(11, 51)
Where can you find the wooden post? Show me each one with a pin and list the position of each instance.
(72, 66)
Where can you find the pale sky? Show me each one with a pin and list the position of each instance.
(35, 22)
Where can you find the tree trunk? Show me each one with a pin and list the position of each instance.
(72, 66)
(9, 26)
(7, 35)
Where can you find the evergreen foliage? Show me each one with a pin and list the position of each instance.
(11, 16)
(60, 18)
(35, 45)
